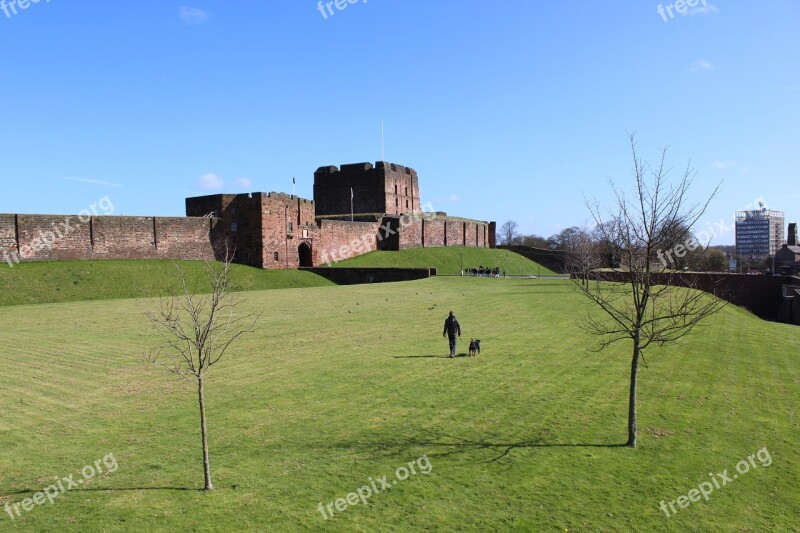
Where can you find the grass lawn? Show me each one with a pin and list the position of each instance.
(344, 385)
(69, 281)
(448, 261)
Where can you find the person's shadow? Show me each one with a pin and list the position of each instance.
(430, 356)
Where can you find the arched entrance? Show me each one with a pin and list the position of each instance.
(304, 252)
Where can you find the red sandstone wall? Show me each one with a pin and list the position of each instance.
(455, 233)
(57, 237)
(401, 189)
(123, 237)
(411, 233)
(344, 239)
(471, 233)
(385, 188)
(287, 222)
(70, 242)
(8, 234)
(184, 238)
(433, 232)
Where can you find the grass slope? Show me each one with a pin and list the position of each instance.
(448, 261)
(66, 281)
(344, 384)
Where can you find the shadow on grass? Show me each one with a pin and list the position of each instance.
(502, 449)
(99, 489)
(429, 356)
(506, 448)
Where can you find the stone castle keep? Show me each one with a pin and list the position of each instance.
(357, 208)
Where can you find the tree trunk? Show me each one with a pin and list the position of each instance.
(632, 398)
(204, 432)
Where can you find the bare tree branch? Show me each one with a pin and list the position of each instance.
(640, 300)
(197, 330)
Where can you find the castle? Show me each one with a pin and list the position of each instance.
(357, 208)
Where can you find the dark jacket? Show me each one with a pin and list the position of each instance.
(452, 327)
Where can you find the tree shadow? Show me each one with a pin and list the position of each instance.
(449, 445)
(504, 448)
(131, 489)
(98, 489)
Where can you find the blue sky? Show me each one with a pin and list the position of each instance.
(507, 109)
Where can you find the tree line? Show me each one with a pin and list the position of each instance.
(587, 247)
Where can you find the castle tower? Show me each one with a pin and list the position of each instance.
(385, 188)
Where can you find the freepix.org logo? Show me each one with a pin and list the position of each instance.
(11, 7)
(681, 7)
(63, 485)
(326, 8)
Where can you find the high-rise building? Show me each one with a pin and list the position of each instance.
(759, 233)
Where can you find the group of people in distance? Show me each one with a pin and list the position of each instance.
(485, 271)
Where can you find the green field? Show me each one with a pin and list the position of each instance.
(343, 385)
(448, 261)
(70, 281)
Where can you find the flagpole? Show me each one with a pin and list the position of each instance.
(293, 191)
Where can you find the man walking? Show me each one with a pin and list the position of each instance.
(452, 328)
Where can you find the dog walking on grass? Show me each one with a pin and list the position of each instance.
(474, 347)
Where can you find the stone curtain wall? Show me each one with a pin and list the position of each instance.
(343, 239)
(427, 232)
(454, 231)
(411, 234)
(8, 233)
(104, 237)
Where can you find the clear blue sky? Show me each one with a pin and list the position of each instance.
(508, 109)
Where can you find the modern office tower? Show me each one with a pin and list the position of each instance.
(759, 233)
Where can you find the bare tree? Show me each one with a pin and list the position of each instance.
(532, 240)
(508, 232)
(566, 240)
(197, 330)
(650, 305)
(584, 256)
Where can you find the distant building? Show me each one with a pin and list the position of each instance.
(787, 259)
(759, 233)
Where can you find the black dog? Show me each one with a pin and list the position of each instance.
(474, 347)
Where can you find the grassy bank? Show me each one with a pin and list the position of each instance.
(448, 261)
(68, 281)
(344, 384)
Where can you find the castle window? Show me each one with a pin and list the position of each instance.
(234, 226)
(275, 256)
(406, 191)
(396, 202)
(395, 188)
(406, 204)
